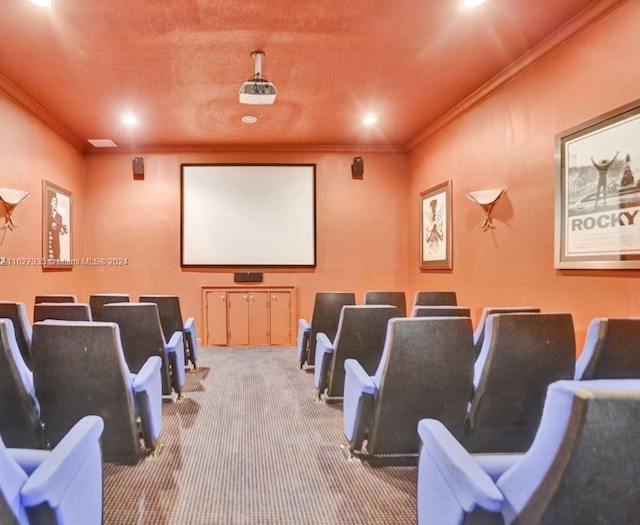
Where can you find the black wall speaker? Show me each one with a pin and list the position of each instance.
(247, 277)
(138, 167)
(357, 168)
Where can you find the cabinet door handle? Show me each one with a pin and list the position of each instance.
(253, 298)
(223, 298)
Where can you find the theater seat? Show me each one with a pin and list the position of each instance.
(582, 467)
(611, 350)
(426, 370)
(478, 333)
(20, 424)
(392, 297)
(522, 354)
(435, 298)
(361, 334)
(80, 369)
(55, 298)
(17, 313)
(62, 312)
(142, 336)
(171, 321)
(324, 319)
(58, 487)
(98, 300)
(440, 311)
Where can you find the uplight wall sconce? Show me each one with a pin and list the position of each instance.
(487, 200)
(10, 199)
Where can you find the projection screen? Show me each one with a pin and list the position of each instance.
(248, 215)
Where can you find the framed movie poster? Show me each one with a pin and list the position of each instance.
(597, 219)
(435, 228)
(56, 226)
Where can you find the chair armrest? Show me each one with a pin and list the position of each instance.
(50, 482)
(191, 339)
(471, 486)
(147, 386)
(189, 324)
(175, 353)
(495, 465)
(359, 396)
(29, 459)
(324, 347)
(304, 330)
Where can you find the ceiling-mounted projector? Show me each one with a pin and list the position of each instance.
(258, 90)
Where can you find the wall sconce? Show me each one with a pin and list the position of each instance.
(11, 198)
(487, 200)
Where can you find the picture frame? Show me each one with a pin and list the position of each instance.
(57, 226)
(436, 228)
(597, 192)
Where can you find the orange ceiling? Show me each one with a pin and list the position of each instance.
(178, 65)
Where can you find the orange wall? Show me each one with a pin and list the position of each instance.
(30, 152)
(507, 141)
(361, 226)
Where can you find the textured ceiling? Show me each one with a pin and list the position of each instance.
(178, 65)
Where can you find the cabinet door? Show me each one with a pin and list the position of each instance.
(238, 318)
(216, 318)
(280, 318)
(258, 318)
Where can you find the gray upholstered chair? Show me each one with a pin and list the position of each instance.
(522, 354)
(324, 319)
(56, 298)
(79, 369)
(611, 350)
(437, 298)
(62, 312)
(426, 370)
(17, 313)
(98, 300)
(582, 467)
(440, 311)
(392, 297)
(142, 337)
(20, 424)
(478, 333)
(361, 334)
(172, 321)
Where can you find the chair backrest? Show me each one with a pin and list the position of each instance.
(80, 369)
(394, 298)
(440, 311)
(362, 330)
(169, 312)
(98, 300)
(429, 298)
(326, 316)
(17, 312)
(62, 312)
(426, 371)
(583, 464)
(478, 334)
(20, 425)
(56, 298)
(141, 335)
(611, 350)
(522, 354)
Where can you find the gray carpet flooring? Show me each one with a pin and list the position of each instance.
(249, 444)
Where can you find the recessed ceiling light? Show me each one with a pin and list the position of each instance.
(103, 143)
(369, 120)
(41, 3)
(129, 120)
(249, 119)
(472, 3)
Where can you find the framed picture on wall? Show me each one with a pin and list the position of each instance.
(597, 211)
(435, 228)
(57, 231)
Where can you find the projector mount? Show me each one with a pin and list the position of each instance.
(257, 89)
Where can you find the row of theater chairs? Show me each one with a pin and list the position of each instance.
(328, 305)
(168, 308)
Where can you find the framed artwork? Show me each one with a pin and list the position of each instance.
(597, 210)
(57, 231)
(435, 228)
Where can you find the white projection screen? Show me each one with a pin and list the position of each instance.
(248, 215)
